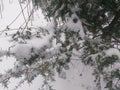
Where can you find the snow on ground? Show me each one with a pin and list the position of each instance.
(79, 77)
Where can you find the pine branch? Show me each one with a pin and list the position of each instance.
(108, 31)
(115, 20)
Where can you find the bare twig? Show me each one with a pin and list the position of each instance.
(22, 12)
(19, 14)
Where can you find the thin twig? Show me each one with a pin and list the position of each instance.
(18, 15)
(26, 26)
(22, 11)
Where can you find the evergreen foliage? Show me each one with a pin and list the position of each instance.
(101, 23)
(88, 30)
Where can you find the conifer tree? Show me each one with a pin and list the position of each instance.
(84, 29)
(94, 22)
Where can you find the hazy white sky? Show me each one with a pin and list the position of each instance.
(73, 81)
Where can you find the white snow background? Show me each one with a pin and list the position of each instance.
(79, 77)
